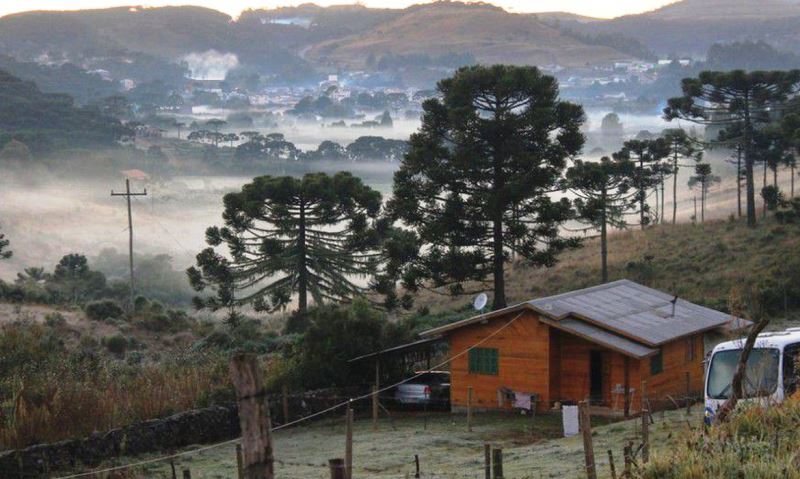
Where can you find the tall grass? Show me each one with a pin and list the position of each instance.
(64, 394)
(757, 442)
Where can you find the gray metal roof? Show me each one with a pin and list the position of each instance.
(601, 337)
(623, 308)
(634, 311)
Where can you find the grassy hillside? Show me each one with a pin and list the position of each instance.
(491, 34)
(691, 26)
(708, 264)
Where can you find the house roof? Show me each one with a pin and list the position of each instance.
(623, 309)
(421, 344)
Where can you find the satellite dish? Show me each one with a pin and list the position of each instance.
(480, 302)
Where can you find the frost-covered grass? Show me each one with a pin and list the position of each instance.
(445, 448)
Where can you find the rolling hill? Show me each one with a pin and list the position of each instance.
(690, 27)
(489, 33)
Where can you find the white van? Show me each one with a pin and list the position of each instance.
(771, 374)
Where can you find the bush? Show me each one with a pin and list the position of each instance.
(103, 309)
(757, 442)
(55, 320)
(116, 344)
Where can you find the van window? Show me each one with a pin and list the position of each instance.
(791, 356)
(761, 375)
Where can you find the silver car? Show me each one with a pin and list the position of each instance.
(430, 390)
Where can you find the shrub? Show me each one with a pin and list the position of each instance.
(116, 344)
(55, 320)
(103, 309)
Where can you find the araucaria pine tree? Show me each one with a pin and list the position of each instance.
(317, 235)
(736, 100)
(603, 191)
(682, 147)
(647, 157)
(702, 180)
(476, 184)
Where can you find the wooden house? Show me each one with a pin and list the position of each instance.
(595, 344)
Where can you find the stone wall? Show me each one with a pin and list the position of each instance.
(201, 426)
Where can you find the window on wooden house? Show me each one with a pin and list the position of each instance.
(657, 363)
(691, 348)
(483, 361)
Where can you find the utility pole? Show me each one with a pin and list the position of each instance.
(127, 196)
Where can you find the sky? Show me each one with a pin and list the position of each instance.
(596, 8)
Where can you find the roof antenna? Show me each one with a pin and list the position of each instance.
(674, 300)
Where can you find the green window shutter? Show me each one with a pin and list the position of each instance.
(657, 364)
(483, 361)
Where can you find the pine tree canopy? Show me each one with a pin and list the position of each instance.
(476, 184)
(316, 235)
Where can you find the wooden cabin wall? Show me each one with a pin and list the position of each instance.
(523, 358)
(672, 380)
(572, 354)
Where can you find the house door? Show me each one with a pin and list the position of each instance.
(596, 377)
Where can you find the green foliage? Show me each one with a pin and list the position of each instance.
(151, 315)
(757, 442)
(336, 335)
(603, 191)
(736, 101)
(376, 148)
(103, 309)
(286, 235)
(48, 120)
(648, 171)
(749, 55)
(5, 253)
(474, 186)
(116, 344)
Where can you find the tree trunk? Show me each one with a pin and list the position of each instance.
(499, 301)
(792, 170)
(642, 193)
(741, 369)
(748, 165)
(703, 193)
(675, 189)
(764, 209)
(663, 206)
(739, 181)
(302, 284)
(604, 238)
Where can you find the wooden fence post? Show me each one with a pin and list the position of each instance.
(375, 408)
(348, 447)
(337, 468)
(254, 417)
(487, 461)
(628, 459)
(187, 474)
(611, 464)
(588, 447)
(285, 397)
(172, 466)
(239, 462)
(416, 467)
(469, 408)
(497, 463)
(688, 393)
(645, 435)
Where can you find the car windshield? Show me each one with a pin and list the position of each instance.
(761, 377)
